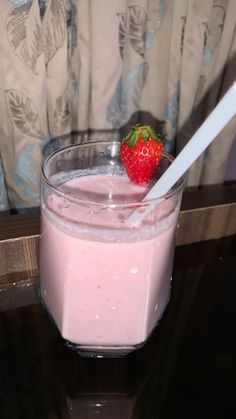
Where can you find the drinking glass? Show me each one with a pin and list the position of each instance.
(104, 281)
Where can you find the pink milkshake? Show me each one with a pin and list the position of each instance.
(105, 282)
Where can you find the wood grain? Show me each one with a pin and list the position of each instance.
(199, 221)
(207, 223)
(18, 259)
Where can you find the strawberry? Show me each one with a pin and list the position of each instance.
(140, 153)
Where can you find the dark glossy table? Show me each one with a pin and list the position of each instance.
(186, 370)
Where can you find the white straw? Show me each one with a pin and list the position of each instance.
(207, 132)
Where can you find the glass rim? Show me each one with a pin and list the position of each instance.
(118, 205)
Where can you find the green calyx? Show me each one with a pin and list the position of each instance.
(145, 131)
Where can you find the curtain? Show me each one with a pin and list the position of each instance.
(96, 67)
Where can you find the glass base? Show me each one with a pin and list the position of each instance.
(92, 351)
(88, 351)
(102, 351)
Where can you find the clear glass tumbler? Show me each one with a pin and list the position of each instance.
(104, 281)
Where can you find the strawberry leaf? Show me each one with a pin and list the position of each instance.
(152, 133)
(145, 134)
(145, 131)
(134, 138)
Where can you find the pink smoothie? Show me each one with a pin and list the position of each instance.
(104, 284)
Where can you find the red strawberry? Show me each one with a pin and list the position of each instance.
(140, 153)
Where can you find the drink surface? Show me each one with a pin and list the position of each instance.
(103, 282)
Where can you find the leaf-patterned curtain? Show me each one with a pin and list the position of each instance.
(99, 66)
